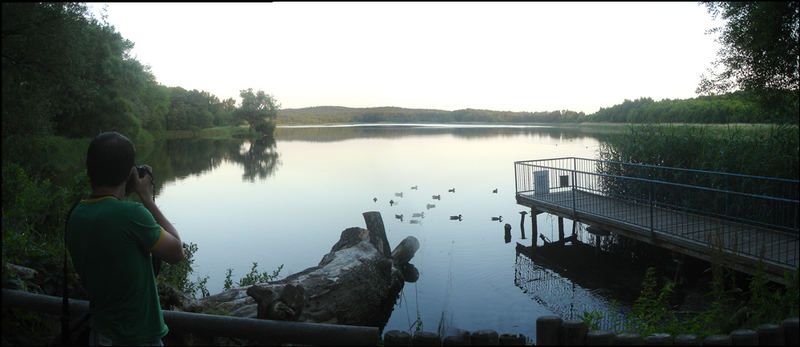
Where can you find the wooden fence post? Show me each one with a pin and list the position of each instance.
(547, 329)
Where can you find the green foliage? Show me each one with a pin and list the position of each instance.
(760, 46)
(33, 224)
(737, 107)
(652, 310)
(228, 281)
(66, 73)
(730, 307)
(177, 275)
(253, 277)
(592, 319)
(768, 151)
(417, 325)
(259, 110)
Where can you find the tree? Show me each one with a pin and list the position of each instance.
(259, 110)
(760, 50)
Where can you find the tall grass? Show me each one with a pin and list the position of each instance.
(768, 151)
(758, 150)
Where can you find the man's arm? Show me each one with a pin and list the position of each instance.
(170, 248)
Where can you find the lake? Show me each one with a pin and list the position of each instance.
(287, 201)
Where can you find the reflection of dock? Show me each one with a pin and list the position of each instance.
(693, 220)
(551, 283)
(588, 268)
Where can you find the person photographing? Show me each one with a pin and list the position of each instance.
(111, 242)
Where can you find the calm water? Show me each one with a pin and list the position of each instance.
(286, 202)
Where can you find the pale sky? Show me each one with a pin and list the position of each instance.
(497, 56)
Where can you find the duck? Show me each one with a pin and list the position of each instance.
(399, 216)
(374, 199)
(499, 219)
(415, 221)
(495, 191)
(414, 188)
(458, 218)
(437, 197)
(430, 206)
(451, 190)
(391, 202)
(420, 215)
(399, 194)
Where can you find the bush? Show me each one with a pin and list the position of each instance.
(177, 275)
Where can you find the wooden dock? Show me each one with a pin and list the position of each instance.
(694, 235)
(582, 194)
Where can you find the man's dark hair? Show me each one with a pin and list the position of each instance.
(109, 159)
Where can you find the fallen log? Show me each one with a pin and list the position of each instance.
(356, 283)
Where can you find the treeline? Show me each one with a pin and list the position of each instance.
(67, 73)
(736, 107)
(336, 114)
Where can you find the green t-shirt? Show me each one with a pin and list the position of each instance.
(110, 243)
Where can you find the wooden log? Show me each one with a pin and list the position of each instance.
(744, 337)
(485, 338)
(573, 332)
(405, 251)
(396, 338)
(717, 340)
(659, 339)
(688, 340)
(534, 228)
(628, 339)
(356, 283)
(547, 330)
(599, 338)
(458, 337)
(426, 338)
(375, 226)
(791, 330)
(770, 335)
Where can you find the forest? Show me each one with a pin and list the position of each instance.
(733, 107)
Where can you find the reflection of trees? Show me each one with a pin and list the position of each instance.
(178, 158)
(259, 158)
(328, 134)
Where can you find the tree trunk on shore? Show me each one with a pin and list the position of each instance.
(356, 283)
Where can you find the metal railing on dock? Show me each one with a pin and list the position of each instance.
(747, 215)
(262, 330)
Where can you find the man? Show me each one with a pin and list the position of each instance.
(111, 241)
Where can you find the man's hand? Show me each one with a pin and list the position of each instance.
(143, 186)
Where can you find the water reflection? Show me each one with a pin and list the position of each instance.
(258, 158)
(175, 159)
(179, 158)
(388, 131)
(562, 295)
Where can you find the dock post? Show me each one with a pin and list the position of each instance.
(522, 223)
(534, 227)
(574, 227)
(561, 228)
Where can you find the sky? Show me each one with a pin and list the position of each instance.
(507, 56)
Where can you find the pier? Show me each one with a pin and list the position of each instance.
(752, 220)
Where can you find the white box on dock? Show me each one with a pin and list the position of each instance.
(541, 182)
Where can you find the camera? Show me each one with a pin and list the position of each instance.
(142, 171)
